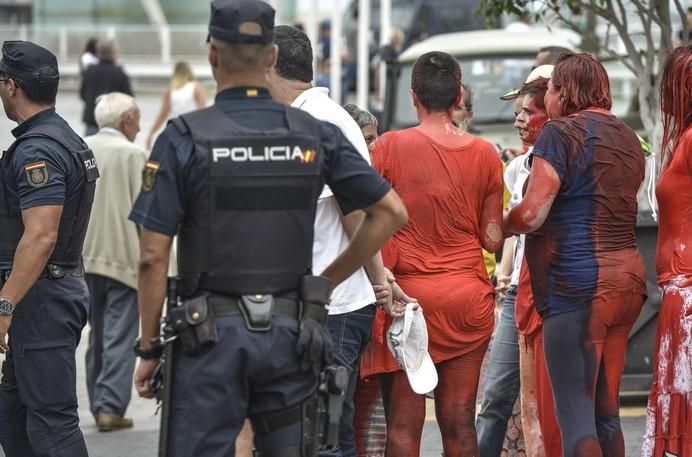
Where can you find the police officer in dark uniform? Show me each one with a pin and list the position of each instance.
(47, 183)
(238, 182)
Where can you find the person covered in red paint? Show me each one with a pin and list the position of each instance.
(451, 184)
(669, 412)
(541, 432)
(587, 275)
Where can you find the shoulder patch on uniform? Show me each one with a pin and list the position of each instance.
(36, 173)
(151, 168)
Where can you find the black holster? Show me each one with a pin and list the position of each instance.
(319, 417)
(333, 383)
(194, 323)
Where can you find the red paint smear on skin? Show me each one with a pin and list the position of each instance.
(535, 120)
(529, 215)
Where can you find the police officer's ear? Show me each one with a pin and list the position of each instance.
(274, 56)
(213, 55)
(11, 85)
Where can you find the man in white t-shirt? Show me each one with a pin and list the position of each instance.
(352, 306)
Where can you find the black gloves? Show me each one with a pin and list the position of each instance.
(314, 344)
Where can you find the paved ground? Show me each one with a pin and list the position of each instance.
(142, 440)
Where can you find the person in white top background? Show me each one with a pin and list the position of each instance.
(352, 305)
(183, 95)
(88, 57)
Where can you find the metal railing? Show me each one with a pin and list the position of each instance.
(136, 43)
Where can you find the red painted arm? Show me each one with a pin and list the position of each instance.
(542, 189)
(491, 222)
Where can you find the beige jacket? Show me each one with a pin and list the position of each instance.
(111, 247)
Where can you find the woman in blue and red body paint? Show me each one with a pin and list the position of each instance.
(587, 276)
(669, 421)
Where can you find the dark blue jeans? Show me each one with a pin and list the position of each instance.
(38, 393)
(501, 383)
(245, 374)
(350, 333)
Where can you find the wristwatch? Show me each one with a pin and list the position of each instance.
(6, 307)
(147, 354)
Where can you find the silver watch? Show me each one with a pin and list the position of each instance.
(6, 307)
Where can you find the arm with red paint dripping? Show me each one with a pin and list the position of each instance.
(541, 191)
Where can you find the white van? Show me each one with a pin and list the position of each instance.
(493, 62)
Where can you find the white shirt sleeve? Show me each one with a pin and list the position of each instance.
(512, 172)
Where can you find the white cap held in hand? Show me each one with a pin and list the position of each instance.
(407, 339)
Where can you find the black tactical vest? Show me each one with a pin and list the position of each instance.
(249, 226)
(76, 210)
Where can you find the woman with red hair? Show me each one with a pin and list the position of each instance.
(587, 276)
(451, 184)
(669, 421)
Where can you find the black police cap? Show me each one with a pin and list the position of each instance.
(227, 17)
(29, 62)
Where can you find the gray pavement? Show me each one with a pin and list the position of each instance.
(141, 441)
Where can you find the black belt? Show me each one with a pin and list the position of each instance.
(224, 306)
(51, 271)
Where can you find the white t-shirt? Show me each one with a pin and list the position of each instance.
(330, 237)
(182, 100)
(88, 59)
(516, 174)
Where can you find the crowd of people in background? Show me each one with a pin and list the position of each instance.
(561, 210)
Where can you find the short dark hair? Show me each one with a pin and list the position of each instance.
(436, 80)
(235, 57)
(553, 53)
(295, 54)
(362, 117)
(536, 89)
(91, 46)
(41, 93)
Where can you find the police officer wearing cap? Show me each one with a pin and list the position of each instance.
(238, 183)
(47, 183)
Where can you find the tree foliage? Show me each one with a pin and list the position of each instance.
(644, 28)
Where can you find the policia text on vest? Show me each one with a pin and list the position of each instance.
(238, 184)
(268, 154)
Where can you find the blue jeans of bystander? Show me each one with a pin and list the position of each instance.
(501, 382)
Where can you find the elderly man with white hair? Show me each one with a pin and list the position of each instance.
(111, 252)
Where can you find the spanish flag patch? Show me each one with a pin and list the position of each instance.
(151, 168)
(36, 173)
